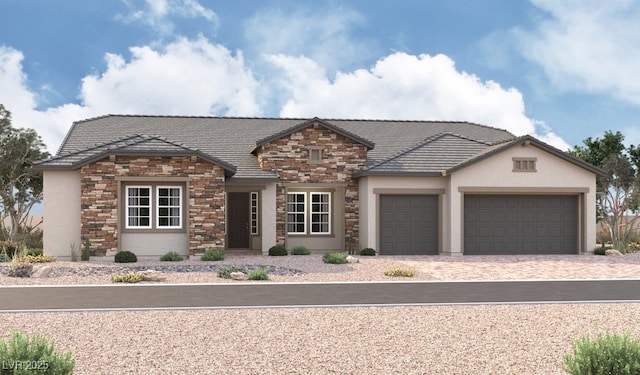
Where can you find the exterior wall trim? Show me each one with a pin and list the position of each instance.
(401, 191)
(521, 190)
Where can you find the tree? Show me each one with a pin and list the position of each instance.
(618, 200)
(20, 184)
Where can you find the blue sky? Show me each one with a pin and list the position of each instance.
(559, 70)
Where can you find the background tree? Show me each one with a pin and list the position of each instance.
(20, 184)
(618, 200)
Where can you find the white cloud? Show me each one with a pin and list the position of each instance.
(157, 14)
(191, 77)
(403, 86)
(591, 46)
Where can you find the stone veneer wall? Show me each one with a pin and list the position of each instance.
(342, 157)
(206, 192)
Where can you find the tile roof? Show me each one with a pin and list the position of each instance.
(230, 140)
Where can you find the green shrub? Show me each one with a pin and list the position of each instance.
(125, 256)
(367, 252)
(24, 355)
(86, 251)
(127, 277)
(20, 269)
(600, 251)
(226, 271)
(277, 251)
(171, 256)
(633, 247)
(334, 258)
(400, 272)
(4, 258)
(604, 354)
(300, 250)
(212, 255)
(42, 258)
(258, 274)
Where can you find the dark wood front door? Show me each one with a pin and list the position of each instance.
(238, 220)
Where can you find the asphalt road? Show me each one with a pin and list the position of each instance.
(253, 295)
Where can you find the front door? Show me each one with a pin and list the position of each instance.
(238, 220)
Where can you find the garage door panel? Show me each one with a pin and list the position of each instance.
(520, 224)
(409, 224)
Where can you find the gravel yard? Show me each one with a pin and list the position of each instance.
(486, 339)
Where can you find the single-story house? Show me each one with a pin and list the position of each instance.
(153, 184)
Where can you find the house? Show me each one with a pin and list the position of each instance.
(153, 184)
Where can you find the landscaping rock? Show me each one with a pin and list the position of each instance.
(613, 253)
(42, 272)
(152, 275)
(240, 276)
(352, 259)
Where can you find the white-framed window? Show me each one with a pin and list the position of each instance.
(138, 210)
(524, 164)
(308, 213)
(297, 213)
(320, 213)
(254, 213)
(153, 207)
(169, 207)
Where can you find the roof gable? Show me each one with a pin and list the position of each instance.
(336, 129)
(137, 144)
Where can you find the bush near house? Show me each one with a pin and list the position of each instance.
(35, 352)
(171, 256)
(212, 255)
(300, 250)
(604, 354)
(367, 252)
(334, 258)
(277, 251)
(258, 274)
(125, 256)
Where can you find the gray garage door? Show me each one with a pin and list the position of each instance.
(408, 224)
(520, 224)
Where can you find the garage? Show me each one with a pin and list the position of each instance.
(520, 224)
(409, 224)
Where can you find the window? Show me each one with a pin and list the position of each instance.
(138, 210)
(312, 208)
(254, 213)
(169, 207)
(315, 154)
(524, 164)
(296, 213)
(153, 207)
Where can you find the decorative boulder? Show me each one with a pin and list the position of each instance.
(152, 275)
(613, 253)
(240, 276)
(41, 272)
(352, 259)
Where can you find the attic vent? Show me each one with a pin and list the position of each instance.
(315, 154)
(524, 164)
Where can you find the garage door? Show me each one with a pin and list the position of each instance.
(408, 224)
(520, 224)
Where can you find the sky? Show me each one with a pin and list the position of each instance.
(560, 70)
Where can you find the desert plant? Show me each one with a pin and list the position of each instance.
(604, 354)
(23, 355)
(226, 271)
(171, 256)
(367, 252)
(277, 251)
(127, 277)
(633, 247)
(353, 247)
(258, 274)
(73, 252)
(86, 251)
(20, 269)
(399, 272)
(4, 257)
(600, 251)
(300, 250)
(42, 258)
(212, 255)
(334, 258)
(125, 256)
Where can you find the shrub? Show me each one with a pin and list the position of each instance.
(600, 251)
(125, 256)
(277, 251)
(42, 258)
(127, 277)
(258, 274)
(367, 252)
(36, 352)
(300, 250)
(605, 354)
(212, 255)
(226, 271)
(399, 272)
(334, 258)
(86, 251)
(20, 269)
(73, 252)
(633, 247)
(4, 257)
(171, 256)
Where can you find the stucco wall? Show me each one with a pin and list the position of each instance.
(61, 209)
(495, 175)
